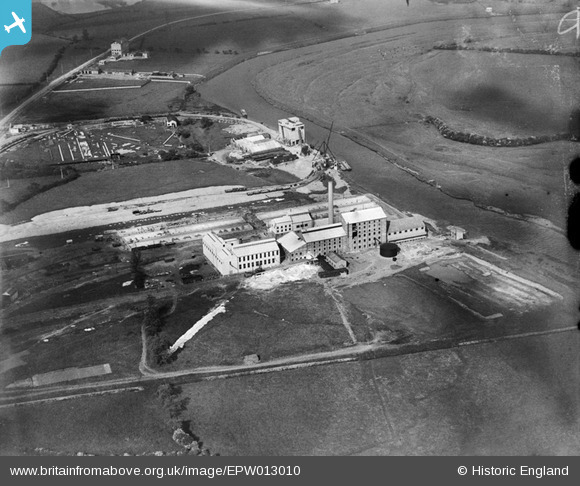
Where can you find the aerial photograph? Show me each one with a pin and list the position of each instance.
(290, 228)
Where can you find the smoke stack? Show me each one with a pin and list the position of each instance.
(330, 201)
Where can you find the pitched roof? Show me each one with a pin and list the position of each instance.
(363, 215)
(402, 224)
(300, 218)
(291, 242)
(321, 233)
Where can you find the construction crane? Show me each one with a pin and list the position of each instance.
(322, 153)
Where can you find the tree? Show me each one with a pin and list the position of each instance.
(206, 123)
(158, 348)
(139, 274)
(86, 36)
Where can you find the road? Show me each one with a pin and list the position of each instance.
(10, 117)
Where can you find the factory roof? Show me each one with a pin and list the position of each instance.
(363, 215)
(291, 242)
(263, 146)
(253, 247)
(294, 120)
(323, 233)
(282, 219)
(402, 224)
(300, 218)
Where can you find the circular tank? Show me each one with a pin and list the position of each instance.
(389, 250)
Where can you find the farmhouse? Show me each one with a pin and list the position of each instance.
(171, 121)
(119, 47)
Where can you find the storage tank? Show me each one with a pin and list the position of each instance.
(389, 250)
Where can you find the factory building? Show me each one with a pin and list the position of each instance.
(291, 131)
(294, 247)
(406, 229)
(365, 228)
(119, 47)
(231, 256)
(290, 222)
(257, 144)
(312, 242)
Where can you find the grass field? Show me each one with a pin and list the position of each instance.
(131, 182)
(104, 425)
(114, 340)
(295, 318)
(488, 399)
(382, 85)
(153, 98)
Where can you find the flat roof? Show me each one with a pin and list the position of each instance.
(401, 224)
(253, 247)
(290, 121)
(363, 215)
(291, 242)
(323, 233)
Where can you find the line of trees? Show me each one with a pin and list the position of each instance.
(157, 341)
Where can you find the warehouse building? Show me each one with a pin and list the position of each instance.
(406, 229)
(231, 256)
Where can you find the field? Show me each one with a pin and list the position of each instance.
(127, 422)
(293, 319)
(153, 98)
(382, 86)
(488, 399)
(132, 182)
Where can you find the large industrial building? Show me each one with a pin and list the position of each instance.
(366, 228)
(231, 256)
(302, 237)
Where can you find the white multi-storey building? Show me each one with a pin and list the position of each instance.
(231, 256)
(291, 131)
(365, 228)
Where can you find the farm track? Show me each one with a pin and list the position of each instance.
(359, 352)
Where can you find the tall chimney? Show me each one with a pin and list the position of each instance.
(330, 201)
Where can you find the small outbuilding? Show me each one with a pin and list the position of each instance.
(457, 233)
(172, 121)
